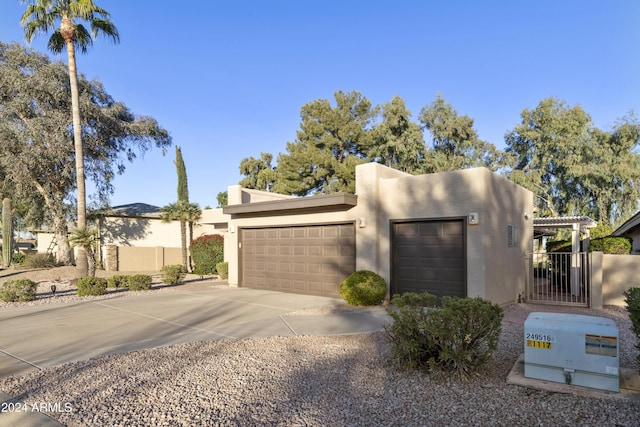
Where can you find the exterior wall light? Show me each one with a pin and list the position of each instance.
(362, 222)
(473, 218)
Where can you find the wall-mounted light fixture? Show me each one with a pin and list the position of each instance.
(526, 215)
(362, 222)
(232, 229)
(473, 218)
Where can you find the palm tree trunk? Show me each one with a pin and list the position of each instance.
(183, 238)
(81, 259)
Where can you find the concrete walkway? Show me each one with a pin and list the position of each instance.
(44, 336)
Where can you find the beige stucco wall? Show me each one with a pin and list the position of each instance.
(137, 258)
(494, 271)
(146, 232)
(619, 273)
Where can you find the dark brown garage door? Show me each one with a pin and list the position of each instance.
(306, 259)
(429, 256)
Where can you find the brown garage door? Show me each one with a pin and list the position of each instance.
(307, 259)
(429, 256)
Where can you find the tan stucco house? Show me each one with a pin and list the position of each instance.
(460, 233)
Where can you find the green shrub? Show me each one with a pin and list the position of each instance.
(173, 274)
(139, 282)
(611, 245)
(18, 290)
(363, 288)
(39, 260)
(223, 270)
(207, 252)
(459, 337)
(88, 286)
(18, 258)
(632, 298)
(608, 245)
(117, 281)
(465, 332)
(413, 347)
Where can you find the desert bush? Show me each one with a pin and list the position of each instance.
(39, 260)
(632, 299)
(173, 274)
(223, 270)
(90, 286)
(465, 332)
(117, 281)
(363, 288)
(207, 252)
(18, 258)
(18, 290)
(460, 337)
(139, 282)
(412, 345)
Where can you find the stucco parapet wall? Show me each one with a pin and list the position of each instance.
(302, 205)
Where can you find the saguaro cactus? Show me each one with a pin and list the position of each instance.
(7, 232)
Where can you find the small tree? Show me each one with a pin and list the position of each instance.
(85, 239)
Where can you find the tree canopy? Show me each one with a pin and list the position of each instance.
(331, 141)
(572, 167)
(37, 156)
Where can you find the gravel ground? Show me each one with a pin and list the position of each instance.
(312, 381)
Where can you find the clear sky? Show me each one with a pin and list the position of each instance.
(228, 79)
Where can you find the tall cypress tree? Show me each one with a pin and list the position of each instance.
(183, 187)
(182, 210)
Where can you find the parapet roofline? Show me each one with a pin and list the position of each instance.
(320, 203)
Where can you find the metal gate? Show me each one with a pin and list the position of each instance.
(561, 278)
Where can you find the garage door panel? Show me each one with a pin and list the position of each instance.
(429, 256)
(305, 259)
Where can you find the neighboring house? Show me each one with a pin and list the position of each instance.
(460, 233)
(631, 228)
(134, 237)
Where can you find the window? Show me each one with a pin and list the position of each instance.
(512, 236)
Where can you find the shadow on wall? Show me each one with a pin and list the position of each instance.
(122, 231)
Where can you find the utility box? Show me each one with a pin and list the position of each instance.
(572, 349)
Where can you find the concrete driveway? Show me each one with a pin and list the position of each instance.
(49, 335)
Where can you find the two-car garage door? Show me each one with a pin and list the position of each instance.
(311, 259)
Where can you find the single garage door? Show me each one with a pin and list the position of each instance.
(429, 256)
(311, 259)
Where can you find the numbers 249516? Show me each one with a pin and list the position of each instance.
(540, 337)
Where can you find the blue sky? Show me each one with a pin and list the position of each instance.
(228, 79)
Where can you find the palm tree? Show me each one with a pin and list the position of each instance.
(42, 16)
(184, 212)
(85, 238)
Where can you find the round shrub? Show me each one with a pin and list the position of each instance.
(139, 282)
(173, 274)
(363, 288)
(91, 286)
(207, 252)
(18, 290)
(223, 270)
(117, 281)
